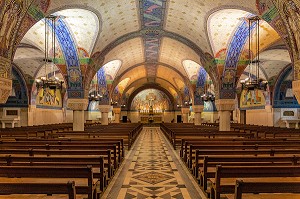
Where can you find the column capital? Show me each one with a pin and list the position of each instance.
(198, 108)
(185, 110)
(77, 104)
(296, 90)
(225, 104)
(104, 108)
(117, 110)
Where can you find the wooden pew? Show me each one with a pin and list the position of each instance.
(33, 173)
(38, 188)
(100, 170)
(265, 187)
(226, 172)
(207, 169)
(65, 153)
(70, 141)
(115, 154)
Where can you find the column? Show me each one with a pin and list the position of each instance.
(117, 112)
(185, 114)
(5, 79)
(198, 109)
(104, 109)
(78, 106)
(225, 106)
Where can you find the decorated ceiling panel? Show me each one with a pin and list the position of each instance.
(28, 53)
(188, 18)
(169, 75)
(221, 25)
(130, 53)
(122, 85)
(130, 91)
(267, 36)
(174, 52)
(111, 69)
(118, 17)
(137, 84)
(191, 68)
(135, 74)
(272, 62)
(166, 85)
(29, 66)
(84, 25)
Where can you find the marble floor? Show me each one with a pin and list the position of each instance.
(152, 169)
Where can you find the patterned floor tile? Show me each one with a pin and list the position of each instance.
(152, 173)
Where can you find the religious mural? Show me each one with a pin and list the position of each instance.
(284, 97)
(252, 99)
(49, 98)
(150, 99)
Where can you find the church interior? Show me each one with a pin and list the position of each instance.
(141, 99)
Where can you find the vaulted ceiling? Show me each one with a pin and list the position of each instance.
(144, 42)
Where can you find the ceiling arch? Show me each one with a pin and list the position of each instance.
(160, 81)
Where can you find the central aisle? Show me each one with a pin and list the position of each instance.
(152, 170)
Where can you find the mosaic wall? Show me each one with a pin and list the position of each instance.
(150, 97)
(49, 98)
(252, 99)
(18, 96)
(283, 96)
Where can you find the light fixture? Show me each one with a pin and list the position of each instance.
(207, 95)
(95, 95)
(253, 81)
(53, 81)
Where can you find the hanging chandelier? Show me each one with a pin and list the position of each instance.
(207, 95)
(253, 81)
(95, 95)
(49, 80)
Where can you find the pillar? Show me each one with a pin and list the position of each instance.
(117, 112)
(78, 106)
(185, 114)
(296, 90)
(225, 106)
(198, 109)
(5, 79)
(104, 109)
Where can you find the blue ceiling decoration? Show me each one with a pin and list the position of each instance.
(104, 99)
(152, 18)
(19, 95)
(283, 97)
(234, 51)
(69, 49)
(200, 86)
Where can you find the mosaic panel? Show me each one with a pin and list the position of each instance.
(102, 86)
(18, 96)
(283, 96)
(232, 58)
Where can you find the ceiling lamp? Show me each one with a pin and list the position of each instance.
(207, 95)
(52, 82)
(253, 81)
(95, 95)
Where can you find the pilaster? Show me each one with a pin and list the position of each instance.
(5, 79)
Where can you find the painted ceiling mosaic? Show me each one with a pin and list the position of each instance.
(160, 42)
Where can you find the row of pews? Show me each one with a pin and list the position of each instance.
(247, 162)
(52, 159)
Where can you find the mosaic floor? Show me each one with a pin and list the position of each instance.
(151, 172)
